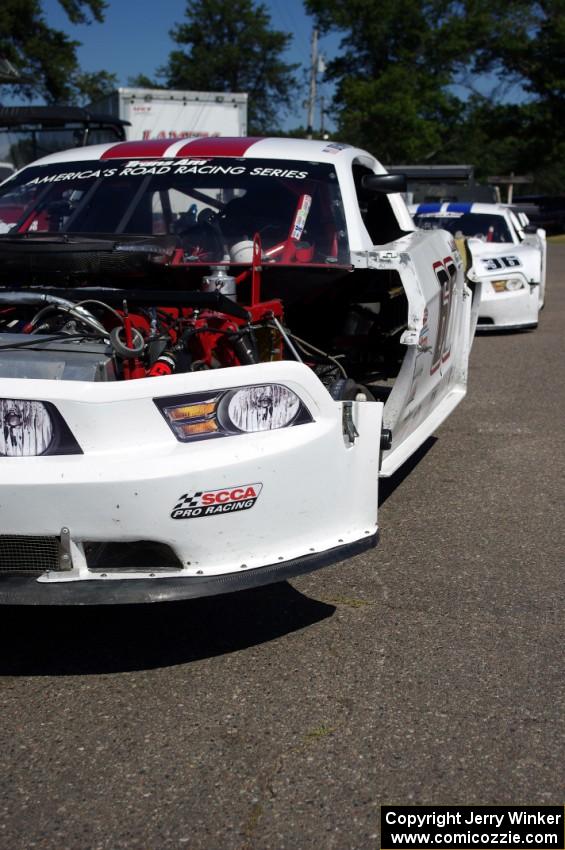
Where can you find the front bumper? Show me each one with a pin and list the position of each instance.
(25, 590)
(508, 310)
(316, 492)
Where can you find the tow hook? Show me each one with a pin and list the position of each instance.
(386, 439)
(65, 558)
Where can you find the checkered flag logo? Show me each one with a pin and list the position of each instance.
(226, 500)
(188, 500)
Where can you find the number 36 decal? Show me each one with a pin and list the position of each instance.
(446, 273)
(493, 264)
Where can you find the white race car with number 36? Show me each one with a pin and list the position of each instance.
(509, 261)
(210, 350)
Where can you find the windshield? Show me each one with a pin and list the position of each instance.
(489, 228)
(213, 207)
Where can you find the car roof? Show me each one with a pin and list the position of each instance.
(457, 207)
(213, 146)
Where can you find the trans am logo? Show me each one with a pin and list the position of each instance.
(211, 502)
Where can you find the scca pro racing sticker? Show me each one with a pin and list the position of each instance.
(228, 500)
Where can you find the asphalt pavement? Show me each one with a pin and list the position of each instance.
(430, 671)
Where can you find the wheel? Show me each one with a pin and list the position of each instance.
(345, 389)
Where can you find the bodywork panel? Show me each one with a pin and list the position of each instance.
(433, 376)
(136, 482)
(492, 264)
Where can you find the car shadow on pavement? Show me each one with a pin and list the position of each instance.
(387, 486)
(65, 641)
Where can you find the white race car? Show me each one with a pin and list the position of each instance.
(209, 351)
(509, 262)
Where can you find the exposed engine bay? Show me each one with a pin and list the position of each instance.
(105, 327)
(101, 334)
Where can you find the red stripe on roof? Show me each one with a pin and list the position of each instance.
(149, 148)
(218, 146)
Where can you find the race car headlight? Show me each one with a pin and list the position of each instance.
(32, 428)
(513, 284)
(245, 410)
(263, 408)
(26, 429)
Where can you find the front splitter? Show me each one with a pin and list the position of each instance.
(26, 590)
(528, 326)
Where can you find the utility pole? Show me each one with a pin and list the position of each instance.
(313, 79)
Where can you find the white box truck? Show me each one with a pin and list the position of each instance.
(163, 114)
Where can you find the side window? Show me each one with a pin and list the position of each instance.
(376, 211)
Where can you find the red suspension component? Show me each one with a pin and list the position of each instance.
(256, 271)
(132, 368)
(184, 339)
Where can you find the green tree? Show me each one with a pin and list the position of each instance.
(142, 81)
(530, 53)
(45, 58)
(397, 61)
(400, 60)
(231, 47)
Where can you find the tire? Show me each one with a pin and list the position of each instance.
(345, 389)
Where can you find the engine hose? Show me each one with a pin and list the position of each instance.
(166, 364)
(243, 348)
(120, 347)
(54, 301)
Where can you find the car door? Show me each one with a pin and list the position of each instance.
(433, 376)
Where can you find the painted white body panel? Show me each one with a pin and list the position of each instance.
(508, 310)
(422, 397)
(133, 473)
(538, 243)
(511, 309)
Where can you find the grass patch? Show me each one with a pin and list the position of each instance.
(251, 824)
(319, 732)
(349, 602)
